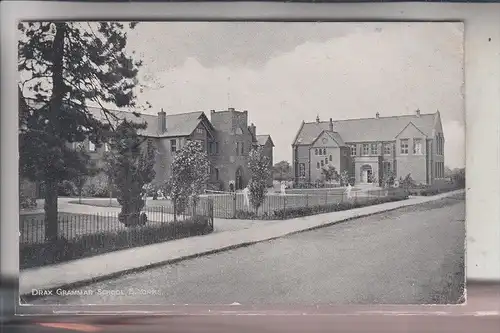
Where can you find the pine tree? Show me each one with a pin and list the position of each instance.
(63, 67)
(130, 167)
(258, 165)
(190, 173)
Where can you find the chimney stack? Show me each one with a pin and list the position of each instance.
(418, 112)
(162, 121)
(331, 125)
(230, 109)
(253, 129)
(377, 115)
(317, 119)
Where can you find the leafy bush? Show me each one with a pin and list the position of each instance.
(67, 188)
(35, 255)
(407, 182)
(26, 202)
(96, 187)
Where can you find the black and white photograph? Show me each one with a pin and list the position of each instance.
(241, 163)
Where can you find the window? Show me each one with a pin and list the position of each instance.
(387, 167)
(353, 150)
(302, 170)
(366, 149)
(91, 146)
(200, 130)
(417, 146)
(316, 151)
(374, 149)
(326, 161)
(173, 145)
(322, 163)
(324, 151)
(330, 158)
(317, 165)
(439, 170)
(404, 146)
(387, 148)
(240, 150)
(439, 144)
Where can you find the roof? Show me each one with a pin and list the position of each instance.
(335, 136)
(262, 139)
(366, 129)
(182, 124)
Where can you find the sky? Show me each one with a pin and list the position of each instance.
(283, 73)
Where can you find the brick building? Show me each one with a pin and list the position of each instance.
(226, 136)
(369, 148)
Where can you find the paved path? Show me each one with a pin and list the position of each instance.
(403, 256)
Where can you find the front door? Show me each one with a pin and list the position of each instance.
(365, 176)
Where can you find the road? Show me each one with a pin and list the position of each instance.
(412, 255)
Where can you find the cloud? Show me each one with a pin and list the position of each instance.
(382, 69)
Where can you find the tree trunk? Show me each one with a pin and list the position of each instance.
(50, 207)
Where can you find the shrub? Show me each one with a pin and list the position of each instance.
(96, 187)
(26, 202)
(67, 188)
(341, 206)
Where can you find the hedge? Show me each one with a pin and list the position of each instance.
(293, 212)
(63, 250)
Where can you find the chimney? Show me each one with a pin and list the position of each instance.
(253, 129)
(331, 125)
(317, 119)
(230, 109)
(162, 121)
(418, 112)
(377, 115)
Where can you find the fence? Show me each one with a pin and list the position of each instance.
(232, 205)
(82, 235)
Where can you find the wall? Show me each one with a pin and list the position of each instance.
(414, 164)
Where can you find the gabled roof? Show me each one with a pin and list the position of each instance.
(182, 124)
(262, 139)
(366, 129)
(334, 135)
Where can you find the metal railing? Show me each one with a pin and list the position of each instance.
(232, 205)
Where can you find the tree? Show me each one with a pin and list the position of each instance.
(344, 178)
(190, 173)
(130, 167)
(330, 173)
(258, 165)
(282, 171)
(458, 176)
(64, 66)
(389, 179)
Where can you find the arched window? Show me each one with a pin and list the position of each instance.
(330, 158)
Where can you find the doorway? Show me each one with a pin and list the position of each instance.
(366, 174)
